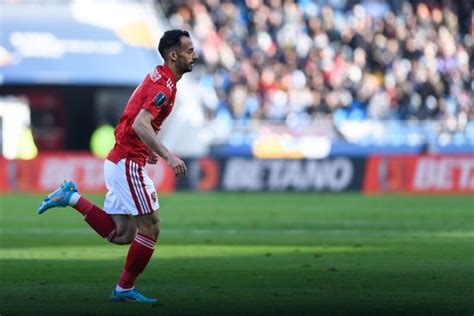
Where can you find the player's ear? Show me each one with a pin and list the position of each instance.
(173, 55)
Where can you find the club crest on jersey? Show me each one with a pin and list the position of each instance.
(153, 197)
(159, 99)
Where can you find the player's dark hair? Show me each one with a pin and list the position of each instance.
(170, 39)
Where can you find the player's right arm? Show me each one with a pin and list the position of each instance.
(142, 126)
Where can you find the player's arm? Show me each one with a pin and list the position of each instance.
(142, 126)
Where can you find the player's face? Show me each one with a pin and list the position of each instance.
(186, 56)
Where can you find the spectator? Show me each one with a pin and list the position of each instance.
(273, 58)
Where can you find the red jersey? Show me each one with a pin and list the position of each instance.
(156, 94)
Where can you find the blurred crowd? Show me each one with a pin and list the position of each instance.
(291, 60)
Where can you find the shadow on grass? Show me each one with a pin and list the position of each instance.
(264, 284)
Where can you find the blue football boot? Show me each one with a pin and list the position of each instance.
(59, 198)
(132, 295)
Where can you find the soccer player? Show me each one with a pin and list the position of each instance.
(130, 213)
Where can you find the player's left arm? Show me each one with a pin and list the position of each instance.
(142, 126)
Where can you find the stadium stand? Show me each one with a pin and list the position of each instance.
(297, 62)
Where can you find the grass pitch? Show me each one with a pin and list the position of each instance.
(250, 254)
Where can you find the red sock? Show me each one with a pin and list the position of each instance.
(138, 256)
(100, 221)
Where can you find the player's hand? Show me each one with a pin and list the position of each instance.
(152, 159)
(177, 165)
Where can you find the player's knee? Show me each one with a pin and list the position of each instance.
(125, 237)
(128, 238)
(149, 225)
(151, 230)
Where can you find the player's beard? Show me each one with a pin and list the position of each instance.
(186, 67)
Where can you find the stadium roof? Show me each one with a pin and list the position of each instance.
(77, 42)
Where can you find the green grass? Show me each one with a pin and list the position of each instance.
(250, 254)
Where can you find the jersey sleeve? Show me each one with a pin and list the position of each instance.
(157, 98)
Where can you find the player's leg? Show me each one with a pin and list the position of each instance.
(139, 254)
(141, 201)
(140, 250)
(67, 195)
(126, 229)
(115, 211)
